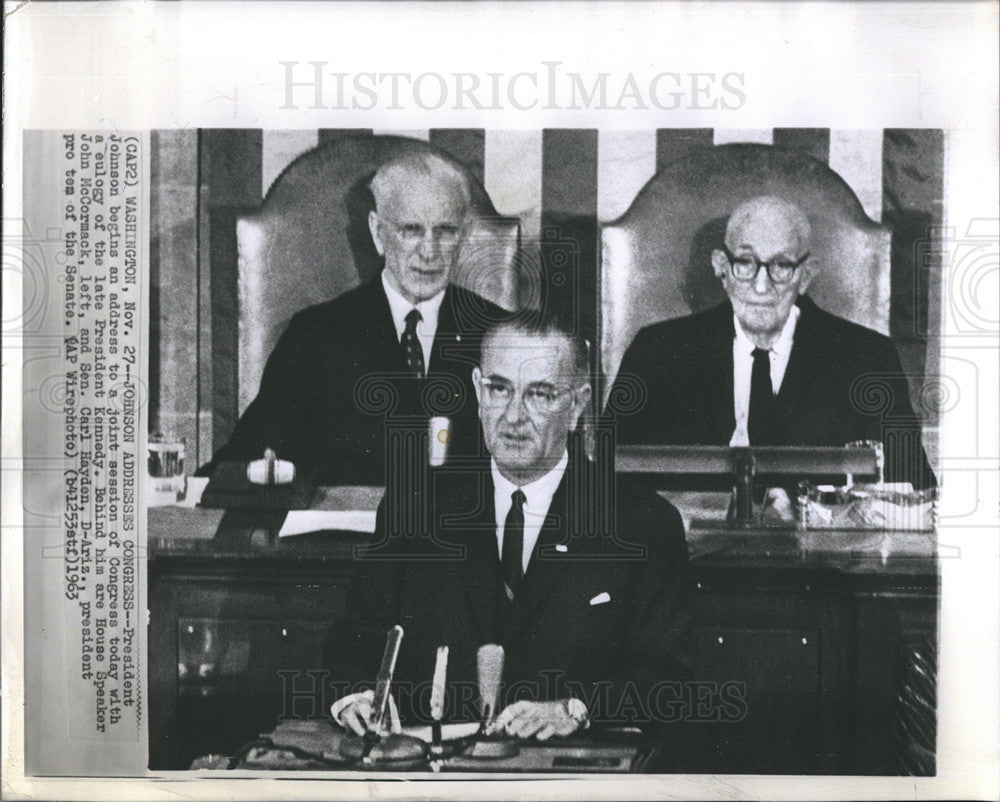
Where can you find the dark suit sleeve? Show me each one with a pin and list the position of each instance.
(901, 428)
(273, 419)
(628, 400)
(353, 650)
(655, 660)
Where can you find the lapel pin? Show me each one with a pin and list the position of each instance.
(561, 547)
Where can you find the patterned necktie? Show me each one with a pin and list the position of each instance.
(411, 344)
(760, 415)
(513, 544)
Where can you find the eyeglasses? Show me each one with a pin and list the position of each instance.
(745, 267)
(415, 233)
(541, 398)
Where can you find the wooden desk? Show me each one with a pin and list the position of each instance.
(832, 635)
(317, 745)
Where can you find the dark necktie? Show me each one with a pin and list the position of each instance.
(759, 418)
(513, 544)
(411, 344)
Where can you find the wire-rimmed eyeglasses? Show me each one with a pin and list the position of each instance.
(541, 398)
(415, 233)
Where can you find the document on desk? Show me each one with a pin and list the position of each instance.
(301, 522)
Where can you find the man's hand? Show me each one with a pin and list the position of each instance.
(542, 720)
(354, 712)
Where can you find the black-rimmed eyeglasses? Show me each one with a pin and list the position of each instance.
(745, 267)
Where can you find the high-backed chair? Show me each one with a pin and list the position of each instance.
(656, 258)
(309, 241)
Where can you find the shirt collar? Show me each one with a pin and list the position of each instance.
(400, 308)
(782, 345)
(536, 492)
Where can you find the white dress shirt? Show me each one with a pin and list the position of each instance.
(743, 367)
(426, 328)
(537, 499)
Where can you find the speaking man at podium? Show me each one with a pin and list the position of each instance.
(406, 340)
(768, 366)
(593, 627)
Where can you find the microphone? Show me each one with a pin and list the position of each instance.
(383, 685)
(489, 670)
(397, 750)
(437, 698)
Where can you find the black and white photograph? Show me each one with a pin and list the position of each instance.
(591, 360)
(556, 423)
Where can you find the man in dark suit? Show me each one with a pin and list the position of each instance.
(582, 580)
(401, 346)
(768, 366)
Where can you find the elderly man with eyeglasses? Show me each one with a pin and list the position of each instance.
(402, 345)
(582, 577)
(768, 366)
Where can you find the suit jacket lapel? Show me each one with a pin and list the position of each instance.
(482, 561)
(447, 337)
(378, 332)
(717, 379)
(806, 359)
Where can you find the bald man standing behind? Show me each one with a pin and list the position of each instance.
(768, 366)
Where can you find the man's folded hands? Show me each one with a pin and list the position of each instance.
(541, 720)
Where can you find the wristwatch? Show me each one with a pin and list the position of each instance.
(577, 711)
